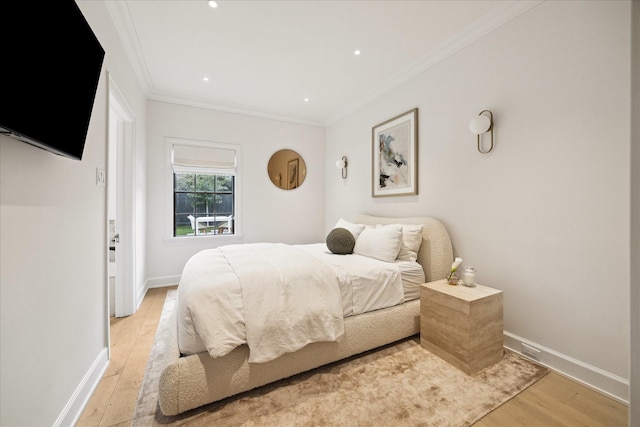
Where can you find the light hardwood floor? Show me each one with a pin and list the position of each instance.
(114, 400)
(552, 401)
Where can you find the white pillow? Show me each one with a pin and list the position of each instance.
(355, 229)
(381, 243)
(411, 241)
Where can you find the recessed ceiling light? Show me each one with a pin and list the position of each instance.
(212, 4)
(357, 52)
(205, 79)
(306, 100)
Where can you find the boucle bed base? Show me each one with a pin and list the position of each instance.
(196, 380)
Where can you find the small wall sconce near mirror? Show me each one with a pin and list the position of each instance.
(482, 123)
(342, 164)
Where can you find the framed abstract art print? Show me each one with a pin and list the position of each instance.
(395, 156)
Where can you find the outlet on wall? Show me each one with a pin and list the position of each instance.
(531, 352)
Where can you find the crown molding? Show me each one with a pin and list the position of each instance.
(235, 109)
(121, 16)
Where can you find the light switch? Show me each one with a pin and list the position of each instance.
(101, 177)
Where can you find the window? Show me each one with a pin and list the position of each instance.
(203, 188)
(203, 204)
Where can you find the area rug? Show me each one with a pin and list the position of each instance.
(398, 385)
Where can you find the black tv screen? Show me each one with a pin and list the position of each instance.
(51, 64)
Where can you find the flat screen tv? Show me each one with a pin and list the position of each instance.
(51, 63)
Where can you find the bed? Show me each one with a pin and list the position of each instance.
(194, 378)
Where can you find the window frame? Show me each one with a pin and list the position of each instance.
(169, 219)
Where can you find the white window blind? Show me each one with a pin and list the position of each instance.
(203, 160)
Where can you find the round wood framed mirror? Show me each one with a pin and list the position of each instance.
(287, 169)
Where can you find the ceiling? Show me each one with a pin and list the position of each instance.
(294, 60)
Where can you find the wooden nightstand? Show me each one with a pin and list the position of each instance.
(463, 325)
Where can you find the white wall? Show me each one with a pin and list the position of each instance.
(52, 217)
(53, 253)
(634, 398)
(267, 212)
(545, 216)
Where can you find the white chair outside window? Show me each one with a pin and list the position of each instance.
(197, 229)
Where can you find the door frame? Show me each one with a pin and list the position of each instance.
(121, 132)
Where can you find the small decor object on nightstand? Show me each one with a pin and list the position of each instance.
(452, 278)
(469, 277)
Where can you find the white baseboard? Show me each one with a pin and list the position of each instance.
(604, 382)
(78, 401)
(156, 282)
(161, 282)
(141, 294)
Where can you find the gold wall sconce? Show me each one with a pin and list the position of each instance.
(482, 123)
(342, 164)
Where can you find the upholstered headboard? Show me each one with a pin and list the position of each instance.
(436, 252)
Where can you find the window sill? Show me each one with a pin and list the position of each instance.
(216, 239)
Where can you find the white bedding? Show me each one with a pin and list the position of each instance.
(367, 284)
(289, 299)
(412, 277)
(223, 300)
(271, 296)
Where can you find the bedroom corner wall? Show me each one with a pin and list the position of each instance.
(545, 216)
(268, 214)
(53, 260)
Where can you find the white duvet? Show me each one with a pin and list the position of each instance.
(366, 284)
(271, 296)
(277, 298)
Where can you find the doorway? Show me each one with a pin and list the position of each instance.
(121, 295)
